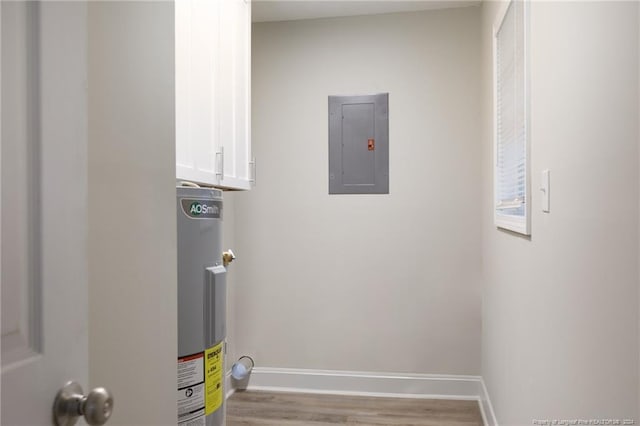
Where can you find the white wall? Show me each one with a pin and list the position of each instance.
(356, 282)
(132, 223)
(560, 310)
(233, 305)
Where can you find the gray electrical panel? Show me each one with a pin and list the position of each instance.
(359, 144)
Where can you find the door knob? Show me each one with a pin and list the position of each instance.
(70, 404)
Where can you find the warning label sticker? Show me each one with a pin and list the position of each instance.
(191, 396)
(213, 378)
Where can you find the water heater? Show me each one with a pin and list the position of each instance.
(202, 292)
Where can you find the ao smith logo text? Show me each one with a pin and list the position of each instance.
(197, 209)
(202, 209)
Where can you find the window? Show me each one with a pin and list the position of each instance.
(511, 123)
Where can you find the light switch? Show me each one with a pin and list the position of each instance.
(545, 188)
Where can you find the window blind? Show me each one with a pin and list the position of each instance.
(511, 123)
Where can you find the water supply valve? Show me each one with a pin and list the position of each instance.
(227, 257)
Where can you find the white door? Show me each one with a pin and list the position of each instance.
(88, 276)
(43, 207)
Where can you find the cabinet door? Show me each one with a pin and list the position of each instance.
(197, 34)
(213, 98)
(235, 94)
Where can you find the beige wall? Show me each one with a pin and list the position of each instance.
(356, 282)
(233, 305)
(132, 223)
(560, 310)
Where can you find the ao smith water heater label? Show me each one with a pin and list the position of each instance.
(201, 209)
(199, 386)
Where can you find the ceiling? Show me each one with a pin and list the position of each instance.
(290, 10)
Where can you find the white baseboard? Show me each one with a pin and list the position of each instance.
(228, 385)
(402, 385)
(488, 415)
(362, 383)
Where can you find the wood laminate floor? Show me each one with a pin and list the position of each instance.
(253, 408)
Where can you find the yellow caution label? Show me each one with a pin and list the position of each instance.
(213, 378)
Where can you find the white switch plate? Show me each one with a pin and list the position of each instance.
(545, 189)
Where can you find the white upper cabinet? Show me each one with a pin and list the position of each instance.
(213, 93)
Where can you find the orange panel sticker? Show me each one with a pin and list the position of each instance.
(371, 144)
